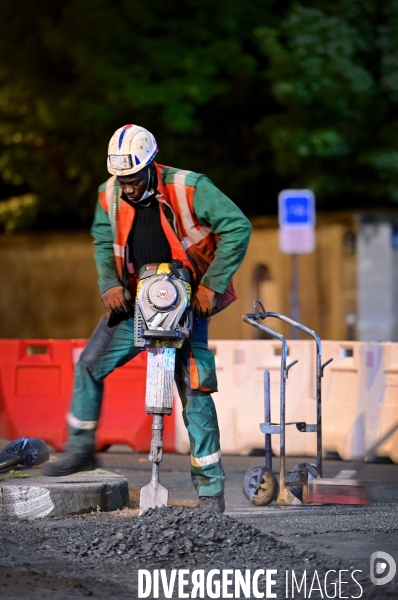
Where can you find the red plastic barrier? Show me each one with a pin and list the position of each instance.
(36, 381)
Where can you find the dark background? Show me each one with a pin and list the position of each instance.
(259, 95)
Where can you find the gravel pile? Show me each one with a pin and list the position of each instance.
(172, 533)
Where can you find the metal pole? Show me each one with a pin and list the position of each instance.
(267, 415)
(282, 477)
(294, 295)
(319, 413)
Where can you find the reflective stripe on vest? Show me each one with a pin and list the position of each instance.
(118, 250)
(194, 234)
(111, 199)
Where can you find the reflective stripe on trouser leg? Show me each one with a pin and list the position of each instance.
(204, 461)
(200, 419)
(107, 349)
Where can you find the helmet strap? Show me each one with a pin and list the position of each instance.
(149, 187)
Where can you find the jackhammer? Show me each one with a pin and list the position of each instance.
(162, 320)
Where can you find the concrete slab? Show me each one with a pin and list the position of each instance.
(35, 497)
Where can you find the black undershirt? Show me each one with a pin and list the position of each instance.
(147, 241)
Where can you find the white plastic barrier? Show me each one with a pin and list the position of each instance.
(387, 405)
(352, 386)
(181, 435)
(239, 401)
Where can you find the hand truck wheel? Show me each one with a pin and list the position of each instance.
(260, 486)
(297, 475)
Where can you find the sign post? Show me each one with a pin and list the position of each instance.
(296, 236)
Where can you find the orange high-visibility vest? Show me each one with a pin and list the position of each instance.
(191, 242)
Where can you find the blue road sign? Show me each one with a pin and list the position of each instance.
(296, 208)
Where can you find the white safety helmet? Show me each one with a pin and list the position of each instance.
(131, 148)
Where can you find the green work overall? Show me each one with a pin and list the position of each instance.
(111, 347)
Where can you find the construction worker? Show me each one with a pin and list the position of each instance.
(149, 213)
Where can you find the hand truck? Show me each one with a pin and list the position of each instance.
(260, 484)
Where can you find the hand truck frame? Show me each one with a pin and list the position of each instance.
(260, 484)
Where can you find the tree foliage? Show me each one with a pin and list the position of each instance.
(259, 96)
(333, 70)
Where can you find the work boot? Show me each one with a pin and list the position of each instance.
(71, 463)
(214, 504)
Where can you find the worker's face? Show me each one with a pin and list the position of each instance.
(133, 186)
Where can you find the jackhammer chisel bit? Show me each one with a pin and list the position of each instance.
(159, 398)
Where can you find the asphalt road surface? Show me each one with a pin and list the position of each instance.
(309, 542)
